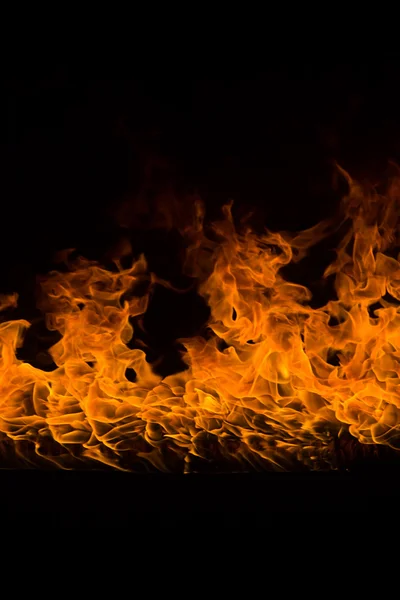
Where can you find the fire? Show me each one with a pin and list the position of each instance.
(273, 385)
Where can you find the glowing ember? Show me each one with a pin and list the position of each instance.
(269, 396)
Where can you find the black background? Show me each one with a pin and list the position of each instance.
(80, 140)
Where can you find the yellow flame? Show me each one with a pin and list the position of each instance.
(272, 397)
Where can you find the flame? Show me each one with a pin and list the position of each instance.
(262, 390)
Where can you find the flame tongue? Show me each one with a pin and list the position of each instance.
(290, 379)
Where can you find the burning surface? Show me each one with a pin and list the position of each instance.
(273, 384)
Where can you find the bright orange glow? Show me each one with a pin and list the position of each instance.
(271, 398)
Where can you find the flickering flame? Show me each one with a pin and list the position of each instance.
(261, 391)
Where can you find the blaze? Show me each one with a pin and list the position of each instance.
(274, 383)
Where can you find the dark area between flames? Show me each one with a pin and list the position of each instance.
(81, 146)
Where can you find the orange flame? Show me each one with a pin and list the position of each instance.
(270, 398)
